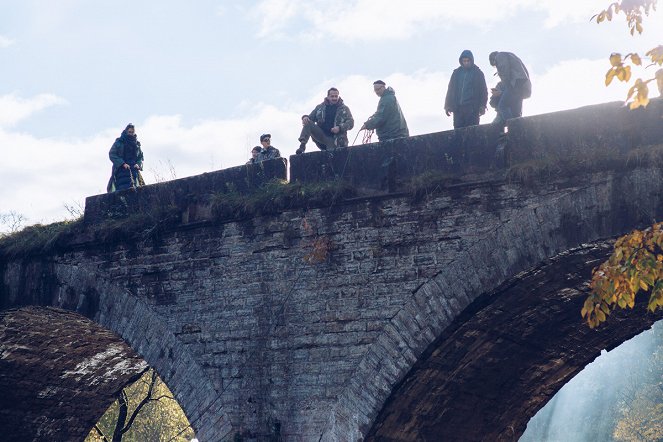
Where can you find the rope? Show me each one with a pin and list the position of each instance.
(131, 177)
(367, 136)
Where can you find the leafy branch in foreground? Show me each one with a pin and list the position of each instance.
(636, 265)
(634, 11)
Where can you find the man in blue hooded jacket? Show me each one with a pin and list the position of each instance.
(467, 93)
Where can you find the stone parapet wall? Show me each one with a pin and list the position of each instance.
(194, 189)
(610, 127)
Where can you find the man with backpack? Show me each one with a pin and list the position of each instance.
(516, 85)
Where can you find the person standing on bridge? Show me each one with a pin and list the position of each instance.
(516, 85)
(268, 151)
(127, 158)
(467, 93)
(388, 121)
(328, 124)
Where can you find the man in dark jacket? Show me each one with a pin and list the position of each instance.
(268, 151)
(388, 121)
(516, 85)
(328, 124)
(127, 158)
(467, 93)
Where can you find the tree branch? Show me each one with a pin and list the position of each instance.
(142, 403)
(123, 403)
(101, 433)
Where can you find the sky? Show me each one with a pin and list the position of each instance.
(202, 79)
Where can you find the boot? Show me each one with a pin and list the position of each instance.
(302, 148)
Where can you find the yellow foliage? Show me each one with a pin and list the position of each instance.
(634, 10)
(656, 55)
(636, 265)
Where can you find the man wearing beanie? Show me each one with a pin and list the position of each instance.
(388, 121)
(268, 151)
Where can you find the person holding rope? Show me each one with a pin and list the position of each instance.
(388, 121)
(328, 124)
(127, 158)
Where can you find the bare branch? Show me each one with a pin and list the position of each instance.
(142, 403)
(101, 433)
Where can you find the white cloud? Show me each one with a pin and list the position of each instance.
(5, 42)
(571, 84)
(377, 20)
(14, 108)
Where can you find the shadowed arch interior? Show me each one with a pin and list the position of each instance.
(59, 372)
(506, 356)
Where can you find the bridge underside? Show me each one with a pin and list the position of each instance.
(506, 356)
(59, 372)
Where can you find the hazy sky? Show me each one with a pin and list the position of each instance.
(202, 79)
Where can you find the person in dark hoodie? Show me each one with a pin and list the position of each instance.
(388, 120)
(127, 158)
(467, 93)
(328, 124)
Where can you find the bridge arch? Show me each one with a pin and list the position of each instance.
(120, 335)
(580, 224)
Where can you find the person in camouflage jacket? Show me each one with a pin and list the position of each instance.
(328, 124)
(268, 151)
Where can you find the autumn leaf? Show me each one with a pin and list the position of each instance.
(616, 59)
(656, 55)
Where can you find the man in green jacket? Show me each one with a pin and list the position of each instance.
(388, 121)
(328, 124)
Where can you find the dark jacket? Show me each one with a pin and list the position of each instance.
(388, 121)
(473, 79)
(117, 155)
(343, 120)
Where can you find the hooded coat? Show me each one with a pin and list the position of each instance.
(343, 120)
(388, 121)
(118, 153)
(466, 86)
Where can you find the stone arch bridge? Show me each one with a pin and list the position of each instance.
(430, 294)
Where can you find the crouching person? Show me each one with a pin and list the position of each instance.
(328, 124)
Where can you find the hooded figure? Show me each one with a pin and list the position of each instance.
(127, 158)
(467, 93)
(388, 120)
